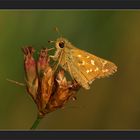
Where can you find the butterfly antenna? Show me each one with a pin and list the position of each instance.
(58, 32)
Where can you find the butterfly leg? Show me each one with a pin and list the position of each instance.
(56, 55)
(53, 57)
(59, 60)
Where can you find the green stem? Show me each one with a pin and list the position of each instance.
(36, 122)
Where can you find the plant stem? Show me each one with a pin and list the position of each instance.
(36, 122)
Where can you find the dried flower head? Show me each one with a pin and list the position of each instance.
(50, 90)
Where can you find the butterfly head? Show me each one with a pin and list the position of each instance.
(60, 43)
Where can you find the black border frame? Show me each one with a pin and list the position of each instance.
(69, 4)
(70, 135)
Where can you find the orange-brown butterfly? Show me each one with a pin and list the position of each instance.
(82, 66)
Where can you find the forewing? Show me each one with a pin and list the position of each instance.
(85, 67)
(68, 64)
(92, 66)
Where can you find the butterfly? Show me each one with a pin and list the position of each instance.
(83, 67)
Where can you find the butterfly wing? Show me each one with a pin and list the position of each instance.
(66, 62)
(85, 67)
(100, 66)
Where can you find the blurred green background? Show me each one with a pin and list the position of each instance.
(111, 103)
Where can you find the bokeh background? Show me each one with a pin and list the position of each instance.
(111, 104)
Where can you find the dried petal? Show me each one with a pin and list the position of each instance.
(30, 71)
(64, 91)
(47, 83)
(46, 80)
(43, 61)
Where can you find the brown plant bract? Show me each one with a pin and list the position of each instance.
(49, 90)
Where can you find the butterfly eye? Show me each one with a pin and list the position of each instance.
(61, 44)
